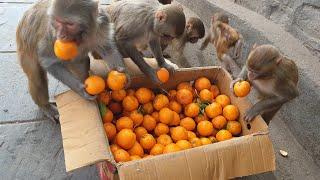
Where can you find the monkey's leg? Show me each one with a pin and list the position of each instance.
(81, 68)
(157, 52)
(137, 58)
(228, 63)
(38, 88)
(267, 116)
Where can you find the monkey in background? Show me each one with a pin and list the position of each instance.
(194, 31)
(274, 76)
(227, 41)
(69, 20)
(142, 23)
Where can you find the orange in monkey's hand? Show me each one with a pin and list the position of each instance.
(94, 85)
(241, 88)
(65, 50)
(163, 75)
(116, 80)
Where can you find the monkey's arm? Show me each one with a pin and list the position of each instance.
(157, 52)
(206, 41)
(283, 93)
(243, 75)
(238, 48)
(137, 58)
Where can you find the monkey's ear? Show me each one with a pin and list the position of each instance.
(161, 16)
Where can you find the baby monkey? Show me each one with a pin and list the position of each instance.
(274, 76)
(227, 41)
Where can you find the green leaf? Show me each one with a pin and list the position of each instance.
(102, 108)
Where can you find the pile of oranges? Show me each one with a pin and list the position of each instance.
(140, 123)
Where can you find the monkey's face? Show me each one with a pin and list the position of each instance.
(68, 30)
(258, 67)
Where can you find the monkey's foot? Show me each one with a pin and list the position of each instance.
(51, 112)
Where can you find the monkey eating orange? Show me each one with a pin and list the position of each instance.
(94, 85)
(65, 50)
(241, 88)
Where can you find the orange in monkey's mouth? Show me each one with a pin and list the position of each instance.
(65, 50)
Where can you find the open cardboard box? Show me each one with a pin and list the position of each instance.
(85, 142)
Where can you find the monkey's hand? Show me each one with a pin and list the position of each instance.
(123, 70)
(83, 93)
(233, 83)
(250, 115)
(169, 66)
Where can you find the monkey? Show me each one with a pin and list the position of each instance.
(227, 40)
(161, 1)
(81, 21)
(141, 23)
(274, 76)
(194, 31)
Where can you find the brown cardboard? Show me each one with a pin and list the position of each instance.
(250, 154)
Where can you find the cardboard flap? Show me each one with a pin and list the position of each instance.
(83, 136)
(238, 157)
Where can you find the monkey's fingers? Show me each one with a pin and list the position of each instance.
(249, 116)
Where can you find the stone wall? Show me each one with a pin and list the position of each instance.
(299, 17)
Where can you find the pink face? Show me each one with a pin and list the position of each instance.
(67, 30)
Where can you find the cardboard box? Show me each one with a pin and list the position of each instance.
(85, 142)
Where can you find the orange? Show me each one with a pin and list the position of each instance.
(196, 142)
(104, 97)
(185, 85)
(130, 103)
(223, 100)
(161, 129)
(155, 115)
(202, 83)
(231, 112)
(163, 75)
(147, 141)
(234, 127)
(115, 107)
(184, 96)
(165, 115)
(215, 90)
(175, 106)
(192, 110)
(188, 123)
(160, 101)
(118, 95)
(223, 135)
(241, 88)
(176, 119)
(170, 148)
(124, 123)
(65, 50)
(164, 139)
(213, 110)
(157, 149)
(143, 95)
(205, 141)
(136, 117)
(179, 133)
(130, 92)
(219, 122)
(121, 156)
(184, 144)
(172, 94)
(134, 157)
(126, 138)
(149, 122)
(94, 85)
(206, 95)
(114, 148)
(201, 117)
(110, 130)
(136, 150)
(108, 116)
(140, 131)
(191, 135)
(147, 108)
(116, 80)
(205, 128)
(213, 139)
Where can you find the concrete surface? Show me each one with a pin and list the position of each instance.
(31, 147)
